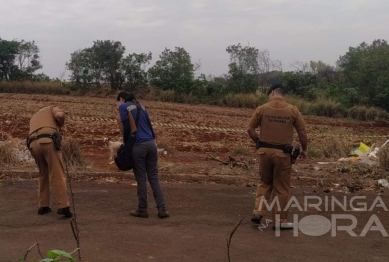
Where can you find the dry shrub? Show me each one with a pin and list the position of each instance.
(328, 108)
(186, 98)
(333, 147)
(314, 152)
(71, 152)
(167, 96)
(303, 106)
(368, 113)
(244, 100)
(7, 155)
(383, 156)
(28, 87)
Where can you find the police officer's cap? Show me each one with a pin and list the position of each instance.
(273, 87)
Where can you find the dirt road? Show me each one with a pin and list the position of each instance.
(201, 218)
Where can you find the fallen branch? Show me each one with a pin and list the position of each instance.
(169, 165)
(73, 221)
(229, 238)
(29, 250)
(218, 160)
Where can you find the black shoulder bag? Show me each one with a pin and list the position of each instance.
(123, 158)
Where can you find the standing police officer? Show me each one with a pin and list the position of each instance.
(276, 120)
(44, 143)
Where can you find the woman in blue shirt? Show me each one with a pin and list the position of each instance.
(144, 153)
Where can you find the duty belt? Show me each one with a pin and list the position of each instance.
(32, 139)
(54, 136)
(266, 145)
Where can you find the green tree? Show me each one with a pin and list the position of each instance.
(243, 68)
(83, 72)
(99, 64)
(134, 69)
(108, 54)
(8, 52)
(366, 70)
(174, 70)
(28, 58)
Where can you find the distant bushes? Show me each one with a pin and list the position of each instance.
(29, 87)
(319, 107)
(368, 113)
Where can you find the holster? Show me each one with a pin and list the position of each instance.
(287, 149)
(54, 136)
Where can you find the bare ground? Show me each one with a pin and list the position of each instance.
(201, 218)
(203, 213)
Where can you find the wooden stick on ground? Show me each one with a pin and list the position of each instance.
(218, 160)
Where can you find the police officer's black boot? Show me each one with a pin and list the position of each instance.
(65, 212)
(256, 219)
(44, 210)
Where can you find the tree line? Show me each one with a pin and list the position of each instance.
(360, 76)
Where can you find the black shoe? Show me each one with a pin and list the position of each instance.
(65, 212)
(138, 213)
(44, 210)
(162, 213)
(256, 219)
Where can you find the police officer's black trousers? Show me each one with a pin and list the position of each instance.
(145, 157)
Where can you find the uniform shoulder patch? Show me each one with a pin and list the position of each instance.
(131, 107)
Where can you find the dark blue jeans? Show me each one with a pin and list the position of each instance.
(145, 159)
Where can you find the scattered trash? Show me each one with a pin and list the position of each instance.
(162, 151)
(383, 183)
(364, 154)
(361, 150)
(316, 168)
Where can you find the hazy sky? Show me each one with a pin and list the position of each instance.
(291, 30)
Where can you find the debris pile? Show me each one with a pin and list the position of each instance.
(365, 154)
(383, 183)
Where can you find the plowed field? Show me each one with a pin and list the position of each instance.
(189, 133)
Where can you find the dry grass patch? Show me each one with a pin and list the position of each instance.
(7, 155)
(28, 87)
(331, 147)
(368, 114)
(71, 152)
(383, 155)
(243, 100)
(336, 147)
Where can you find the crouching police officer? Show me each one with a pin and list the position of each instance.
(276, 120)
(44, 143)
